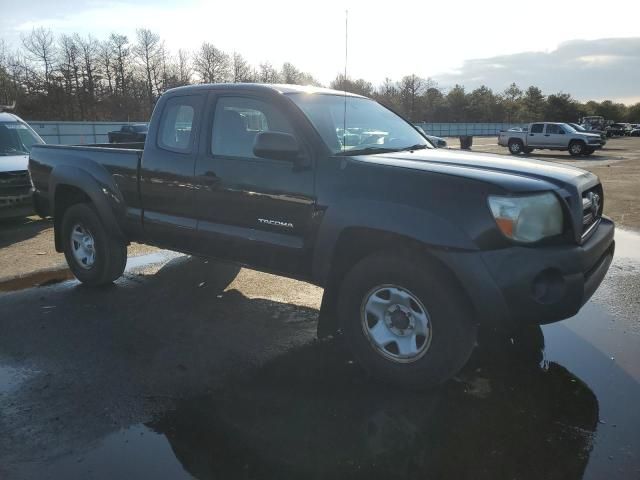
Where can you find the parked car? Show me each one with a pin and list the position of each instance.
(414, 246)
(16, 140)
(618, 130)
(582, 128)
(635, 132)
(437, 142)
(129, 134)
(550, 136)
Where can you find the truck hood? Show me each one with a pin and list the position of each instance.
(512, 173)
(13, 163)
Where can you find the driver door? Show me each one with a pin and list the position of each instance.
(253, 210)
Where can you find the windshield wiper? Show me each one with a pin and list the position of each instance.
(417, 146)
(366, 150)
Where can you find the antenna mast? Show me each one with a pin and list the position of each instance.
(344, 79)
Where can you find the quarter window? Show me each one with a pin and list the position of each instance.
(176, 125)
(238, 120)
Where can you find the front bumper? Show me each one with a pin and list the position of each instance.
(534, 284)
(12, 206)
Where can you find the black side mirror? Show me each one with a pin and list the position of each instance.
(276, 146)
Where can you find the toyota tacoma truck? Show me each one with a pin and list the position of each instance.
(550, 136)
(415, 247)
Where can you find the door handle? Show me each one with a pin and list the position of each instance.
(547, 134)
(531, 134)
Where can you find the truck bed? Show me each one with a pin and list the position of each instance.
(114, 166)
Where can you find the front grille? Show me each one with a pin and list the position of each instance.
(14, 183)
(592, 205)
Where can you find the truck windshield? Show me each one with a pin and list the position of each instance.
(16, 138)
(369, 127)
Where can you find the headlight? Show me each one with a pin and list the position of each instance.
(529, 218)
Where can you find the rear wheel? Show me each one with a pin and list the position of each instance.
(576, 148)
(515, 147)
(93, 255)
(404, 322)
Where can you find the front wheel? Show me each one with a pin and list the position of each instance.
(93, 255)
(404, 322)
(576, 148)
(588, 151)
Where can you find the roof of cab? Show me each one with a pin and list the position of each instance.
(273, 87)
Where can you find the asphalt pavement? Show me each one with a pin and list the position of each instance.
(188, 368)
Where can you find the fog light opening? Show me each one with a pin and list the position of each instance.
(549, 286)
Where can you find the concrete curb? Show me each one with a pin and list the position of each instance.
(37, 278)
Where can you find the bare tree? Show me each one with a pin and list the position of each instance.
(240, 69)
(268, 74)
(149, 52)
(88, 52)
(211, 64)
(105, 57)
(70, 70)
(411, 88)
(121, 53)
(184, 68)
(40, 45)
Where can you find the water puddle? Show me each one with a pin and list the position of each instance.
(136, 452)
(11, 378)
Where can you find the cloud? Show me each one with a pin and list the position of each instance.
(588, 69)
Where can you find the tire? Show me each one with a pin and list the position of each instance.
(576, 148)
(93, 255)
(528, 150)
(451, 334)
(588, 151)
(515, 147)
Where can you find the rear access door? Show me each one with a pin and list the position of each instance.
(167, 172)
(535, 137)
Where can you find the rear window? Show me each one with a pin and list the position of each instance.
(176, 126)
(537, 127)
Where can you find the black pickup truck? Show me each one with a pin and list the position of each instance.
(129, 134)
(415, 247)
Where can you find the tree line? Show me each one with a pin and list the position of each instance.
(73, 77)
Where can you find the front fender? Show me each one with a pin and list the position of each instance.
(411, 222)
(96, 182)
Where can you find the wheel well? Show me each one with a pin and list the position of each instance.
(515, 140)
(353, 245)
(577, 140)
(65, 196)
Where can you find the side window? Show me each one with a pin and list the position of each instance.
(237, 121)
(553, 128)
(537, 127)
(175, 132)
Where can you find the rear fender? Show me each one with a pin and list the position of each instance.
(96, 182)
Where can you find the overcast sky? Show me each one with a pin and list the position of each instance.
(583, 48)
